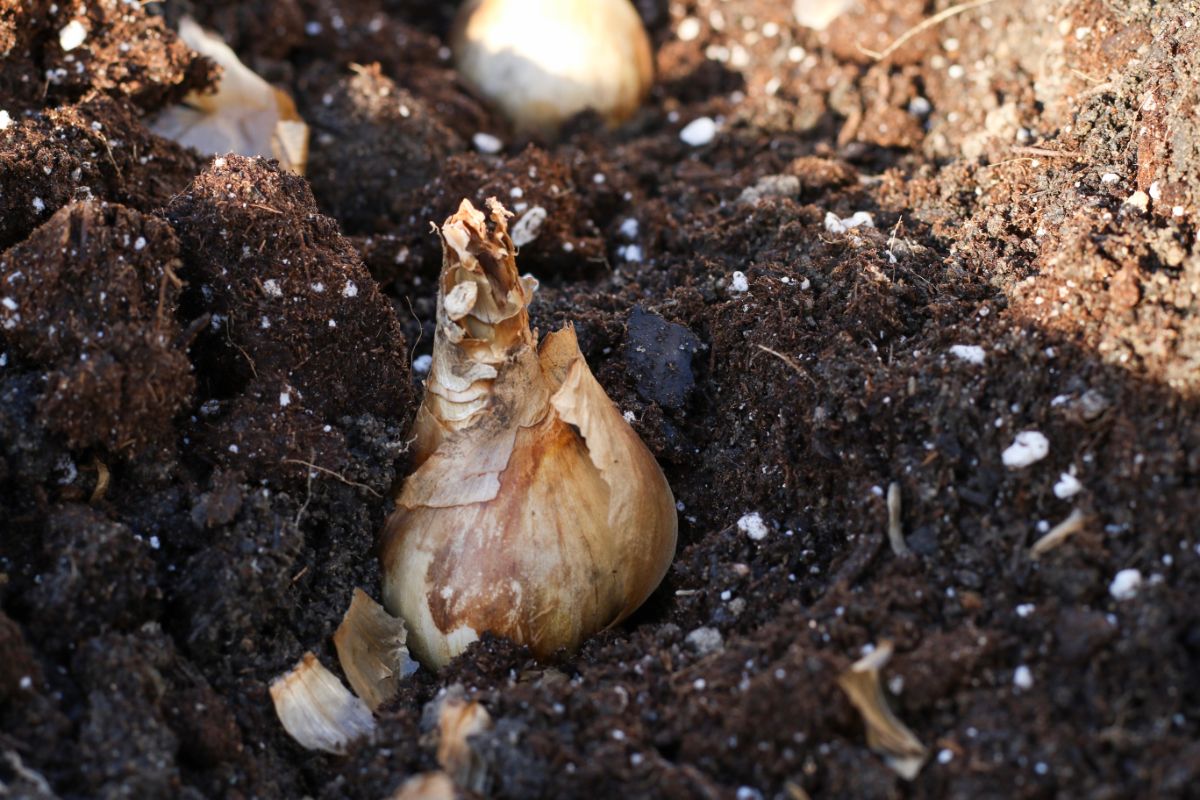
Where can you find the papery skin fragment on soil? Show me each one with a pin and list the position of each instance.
(91, 296)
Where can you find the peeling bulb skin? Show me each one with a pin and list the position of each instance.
(542, 61)
(534, 511)
(244, 115)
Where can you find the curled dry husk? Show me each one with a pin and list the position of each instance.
(317, 710)
(542, 61)
(459, 719)
(370, 647)
(246, 115)
(426, 786)
(534, 511)
(886, 734)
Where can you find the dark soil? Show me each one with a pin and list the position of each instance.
(205, 392)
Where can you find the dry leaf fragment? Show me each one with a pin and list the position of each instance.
(886, 734)
(317, 710)
(246, 115)
(370, 647)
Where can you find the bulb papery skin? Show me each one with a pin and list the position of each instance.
(541, 61)
(533, 510)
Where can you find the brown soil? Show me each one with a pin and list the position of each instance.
(199, 417)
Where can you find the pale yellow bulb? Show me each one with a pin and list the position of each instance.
(534, 511)
(542, 61)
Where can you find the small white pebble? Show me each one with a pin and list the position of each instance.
(1027, 448)
(313, 28)
(699, 132)
(318, 287)
(739, 283)
(956, 71)
(516, 193)
(1138, 200)
(631, 253)
(1022, 677)
(350, 289)
(753, 526)
(1110, 177)
(155, 543)
(9, 303)
(971, 353)
(486, 143)
(945, 756)
(333, 323)
(233, 448)
(39, 205)
(1125, 584)
(285, 399)
(835, 224)
(919, 106)
(1155, 191)
(5, 120)
(699, 684)
(689, 29)
(1068, 486)
(859, 218)
(72, 35)
(421, 364)
(271, 287)
(1025, 610)
(629, 417)
(26, 682)
(629, 228)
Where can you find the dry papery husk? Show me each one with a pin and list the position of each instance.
(542, 61)
(317, 710)
(370, 647)
(886, 734)
(245, 115)
(819, 14)
(458, 719)
(534, 512)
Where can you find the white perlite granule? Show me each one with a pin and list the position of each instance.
(753, 526)
(1027, 448)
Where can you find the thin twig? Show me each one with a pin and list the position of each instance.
(1044, 151)
(332, 474)
(923, 26)
(788, 361)
(1074, 523)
